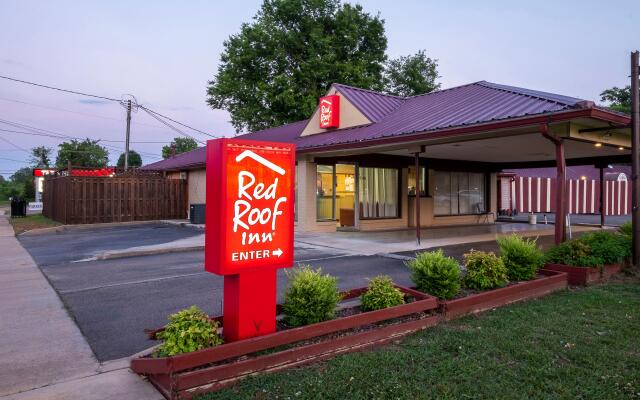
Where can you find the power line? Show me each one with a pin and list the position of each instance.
(177, 122)
(11, 159)
(59, 89)
(57, 135)
(149, 111)
(170, 126)
(14, 145)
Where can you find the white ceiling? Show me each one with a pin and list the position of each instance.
(527, 147)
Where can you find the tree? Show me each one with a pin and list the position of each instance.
(134, 159)
(619, 99)
(182, 145)
(41, 157)
(21, 184)
(276, 68)
(87, 153)
(411, 75)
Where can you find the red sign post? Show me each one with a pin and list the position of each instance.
(330, 111)
(249, 228)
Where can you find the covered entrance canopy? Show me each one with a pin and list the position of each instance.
(478, 127)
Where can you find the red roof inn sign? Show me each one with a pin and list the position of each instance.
(249, 228)
(330, 111)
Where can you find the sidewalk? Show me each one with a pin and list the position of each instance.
(43, 354)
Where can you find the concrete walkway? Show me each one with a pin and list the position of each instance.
(387, 242)
(43, 354)
(364, 243)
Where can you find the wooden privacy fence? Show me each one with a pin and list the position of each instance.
(583, 196)
(87, 200)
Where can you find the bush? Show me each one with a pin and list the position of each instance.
(572, 252)
(626, 228)
(521, 257)
(610, 247)
(484, 270)
(188, 330)
(434, 273)
(311, 297)
(381, 294)
(593, 249)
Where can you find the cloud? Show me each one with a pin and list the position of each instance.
(10, 61)
(93, 101)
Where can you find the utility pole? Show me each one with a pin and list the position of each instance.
(126, 145)
(635, 157)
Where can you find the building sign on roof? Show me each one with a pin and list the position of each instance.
(330, 112)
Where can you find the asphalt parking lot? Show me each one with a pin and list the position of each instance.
(113, 301)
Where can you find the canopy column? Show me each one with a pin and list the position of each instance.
(561, 177)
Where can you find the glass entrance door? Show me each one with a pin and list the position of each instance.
(345, 194)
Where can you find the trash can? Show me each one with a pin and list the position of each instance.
(533, 219)
(196, 214)
(18, 207)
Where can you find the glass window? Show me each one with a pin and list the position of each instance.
(411, 181)
(324, 192)
(378, 193)
(459, 193)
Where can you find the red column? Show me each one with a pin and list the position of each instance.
(561, 176)
(249, 304)
(561, 210)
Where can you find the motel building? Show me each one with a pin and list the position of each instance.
(369, 161)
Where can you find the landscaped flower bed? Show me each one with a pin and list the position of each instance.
(489, 281)
(545, 283)
(183, 375)
(582, 276)
(590, 258)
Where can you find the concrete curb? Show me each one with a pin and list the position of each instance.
(149, 252)
(67, 228)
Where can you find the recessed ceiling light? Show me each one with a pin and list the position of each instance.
(598, 144)
(584, 178)
(620, 148)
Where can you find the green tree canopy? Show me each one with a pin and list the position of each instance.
(134, 159)
(411, 75)
(182, 144)
(276, 68)
(619, 99)
(41, 156)
(87, 153)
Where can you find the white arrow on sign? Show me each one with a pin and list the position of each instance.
(277, 253)
(261, 160)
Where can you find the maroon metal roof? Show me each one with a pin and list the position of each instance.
(461, 106)
(373, 105)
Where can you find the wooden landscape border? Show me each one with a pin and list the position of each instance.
(183, 375)
(552, 281)
(583, 276)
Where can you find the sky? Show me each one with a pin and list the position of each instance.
(165, 52)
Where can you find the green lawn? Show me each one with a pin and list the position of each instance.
(30, 222)
(575, 344)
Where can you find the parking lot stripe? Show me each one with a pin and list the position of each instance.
(138, 282)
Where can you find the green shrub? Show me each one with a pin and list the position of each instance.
(521, 257)
(610, 247)
(434, 273)
(572, 252)
(311, 297)
(381, 294)
(626, 228)
(593, 249)
(484, 270)
(188, 330)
